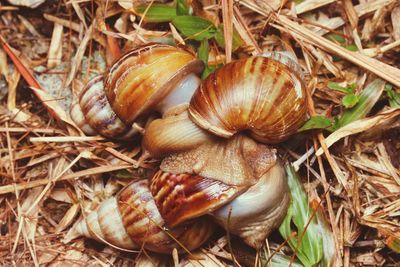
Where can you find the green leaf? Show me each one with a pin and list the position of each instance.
(316, 122)
(157, 13)
(312, 240)
(335, 38)
(194, 28)
(203, 53)
(394, 97)
(367, 99)
(347, 90)
(351, 47)
(350, 100)
(307, 242)
(182, 8)
(236, 39)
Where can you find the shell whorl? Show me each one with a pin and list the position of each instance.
(258, 94)
(97, 112)
(249, 212)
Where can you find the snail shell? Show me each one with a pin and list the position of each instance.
(94, 113)
(143, 77)
(259, 210)
(249, 212)
(264, 95)
(131, 220)
(152, 77)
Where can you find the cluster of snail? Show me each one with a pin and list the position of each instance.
(212, 136)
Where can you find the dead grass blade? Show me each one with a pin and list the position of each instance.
(359, 126)
(84, 174)
(227, 15)
(381, 69)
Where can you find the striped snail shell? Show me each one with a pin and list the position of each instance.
(264, 95)
(153, 77)
(131, 220)
(238, 181)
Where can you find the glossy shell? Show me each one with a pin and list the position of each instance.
(142, 78)
(131, 221)
(145, 225)
(98, 112)
(259, 210)
(180, 197)
(259, 94)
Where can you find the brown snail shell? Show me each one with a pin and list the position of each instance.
(143, 80)
(98, 113)
(259, 94)
(131, 220)
(180, 197)
(143, 77)
(250, 212)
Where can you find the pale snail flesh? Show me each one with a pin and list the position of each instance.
(153, 77)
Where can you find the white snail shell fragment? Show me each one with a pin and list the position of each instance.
(259, 94)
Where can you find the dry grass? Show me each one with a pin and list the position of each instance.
(50, 173)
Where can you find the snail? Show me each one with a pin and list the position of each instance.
(172, 210)
(210, 166)
(153, 77)
(262, 95)
(131, 220)
(258, 94)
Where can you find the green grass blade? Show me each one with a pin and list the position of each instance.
(157, 13)
(194, 28)
(367, 100)
(313, 241)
